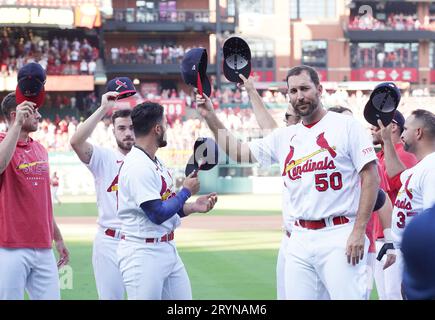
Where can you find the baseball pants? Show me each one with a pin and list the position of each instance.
(31, 270)
(371, 257)
(388, 281)
(280, 269)
(315, 262)
(108, 278)
(153, 271)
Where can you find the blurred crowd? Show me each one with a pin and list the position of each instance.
(148, 54)
(58, 56)
(380, 55)
(397, 22)
(166, 13)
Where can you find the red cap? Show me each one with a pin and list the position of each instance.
(38, 99)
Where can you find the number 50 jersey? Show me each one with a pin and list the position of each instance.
(320, 164)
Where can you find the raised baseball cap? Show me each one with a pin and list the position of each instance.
(419, 257)
(194, 70)
(237, 59)
(382, 103)
(123, 85)
(30, 84)
(205, 156)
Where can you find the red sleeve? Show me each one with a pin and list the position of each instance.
(394, 182)
(408, 159)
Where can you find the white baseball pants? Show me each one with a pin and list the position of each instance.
(280, 269)
(153, 271)
(33, 270)
(315, 262)
(108, 278)
(388, 281)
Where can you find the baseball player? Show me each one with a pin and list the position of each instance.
(104, 165)
(387, 286)
(266, 121)
(150, 211)
(418, 183)
(27, 225)
(329, 169)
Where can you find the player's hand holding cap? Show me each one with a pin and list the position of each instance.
(237, 59)
(123, 85)
(205, 156)
(382, 104)
(194, 70)
(30, 87)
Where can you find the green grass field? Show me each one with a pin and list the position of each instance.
(222, 264)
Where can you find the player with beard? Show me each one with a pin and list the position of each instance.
(104, 164)
(328, 166)
(28, 228)
(393, 160)
(150, 211)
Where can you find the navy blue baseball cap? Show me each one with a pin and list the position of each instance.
(31, 80)
(194, 70)
(123, 85)
(418, 249)
(399, 119)
(205, 155)
(382, 104)
(237, 59)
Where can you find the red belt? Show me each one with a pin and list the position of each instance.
(111, 233)
(320, 224)
(165, 238)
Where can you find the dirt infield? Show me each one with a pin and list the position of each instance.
(201, 222)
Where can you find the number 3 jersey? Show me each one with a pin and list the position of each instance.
(320, 164)
(416, 194)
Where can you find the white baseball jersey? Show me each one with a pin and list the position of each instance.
(104, 165)
(416, 194)
(140, 180)
(319, 165)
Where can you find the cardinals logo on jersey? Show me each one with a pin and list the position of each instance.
(407, 190)
(294, 168)
(114, 185)
(323, 143)
(288, 160)
(165, 192)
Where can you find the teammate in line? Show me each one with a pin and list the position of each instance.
(417, 192)
(387, 286)
(27, 228)
(266, 121)
(317, 161)
(150, 211)
(104, 165)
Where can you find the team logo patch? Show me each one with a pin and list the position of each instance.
(310, 165)
(120, 84)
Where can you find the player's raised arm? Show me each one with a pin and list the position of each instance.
(393, 164)
(236, 150)
(263, 117)
(78, 141)
(16, 119)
